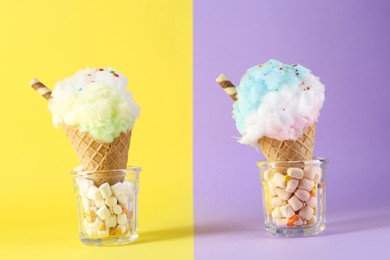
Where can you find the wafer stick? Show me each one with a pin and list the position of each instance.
(228, 86)
(41, 88)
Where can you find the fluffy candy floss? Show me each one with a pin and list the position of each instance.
(94, 101)
(278, 101)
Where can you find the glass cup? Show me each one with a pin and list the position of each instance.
(107, 205)
(294, 197)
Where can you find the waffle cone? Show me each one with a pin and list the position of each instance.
(98, 156)
(299, 150)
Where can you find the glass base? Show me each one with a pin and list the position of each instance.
(109, 241)
(296, 232)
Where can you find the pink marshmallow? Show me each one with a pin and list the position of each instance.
(302, 194)
(295, 203)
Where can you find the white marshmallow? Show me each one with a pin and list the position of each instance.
(118, 189)
(105, 190)
(268, 175)
(287, 211)
(306, 212)
(90, 231)
(276, 213)
(272, 188)
(122, 219)
(309, 172)
(284, 195)
(312, 221)
(94, 193)
(302, 194)
(129, 187)
(292, 185)
(103, 233)
(276, 202)
(99, 203)
(111, 221)
(83, 185)
(298, 222)
(296, 173)
(123, 199)
(295, 203)
(306, 184)
(103, 212)
(98, 222)
(121, 228)
(312, 202)
(111, 201)
(280, 221)
(318, 174)
(278, 180)
(117, 209)
(86, 202)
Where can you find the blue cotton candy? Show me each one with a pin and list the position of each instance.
(275, 83)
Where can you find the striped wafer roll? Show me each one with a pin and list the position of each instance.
(41, 88)
(228, 86)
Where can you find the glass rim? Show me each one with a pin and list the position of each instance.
(317, 160)
(76, 172)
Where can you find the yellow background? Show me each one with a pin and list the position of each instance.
(148, 41)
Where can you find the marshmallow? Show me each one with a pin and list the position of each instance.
(318, 174)
(105, 190)
(306, 184)
(312, 221)
(111, 201)
(121, 228)
(94, 193)
(86, 202)
(103, 212)
(309, 172)
(278, 180)
(296, 173)
(276, 213)
(295, 203)
(90, 231)
(123, 199)
(118, 189)
(272, 188)
(103, 231)
(291, 185)
(287, 211)
(306, 212)
(302, 194)
(99, 203)
(280, 221)
(117, 209)
(298, 222)
(268, 175)
(276, 202)
(111, 221)
(122, 219)
(129, 187)
(83, 185)
(284, 195)
(312, 202)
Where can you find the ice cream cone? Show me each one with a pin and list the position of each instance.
(273, 149)
(105, 160)
(98, 156)
(299, 150)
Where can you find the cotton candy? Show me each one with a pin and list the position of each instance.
(94, 101)
(278, 101)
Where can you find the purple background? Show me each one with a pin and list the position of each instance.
(347, 44)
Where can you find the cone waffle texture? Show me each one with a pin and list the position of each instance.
(98, 156)
(299, 150)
